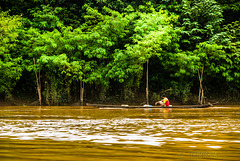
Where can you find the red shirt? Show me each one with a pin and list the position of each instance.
(166, 101)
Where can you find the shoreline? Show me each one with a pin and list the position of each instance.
(36, 103)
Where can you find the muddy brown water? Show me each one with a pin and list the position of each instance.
(63, 133)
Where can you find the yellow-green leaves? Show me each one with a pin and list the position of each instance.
(10, 68)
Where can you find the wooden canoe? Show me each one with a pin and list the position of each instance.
(149, 106)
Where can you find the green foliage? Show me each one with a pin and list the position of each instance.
(233, 49)
(45, 18)
(212, 57)
(106, 44)
(233, 31)
(230, 4)
(108, 32)
(200, 20)
(182, 91)
(8, 33)
(10, 68)
(230, 9)
(58, 75)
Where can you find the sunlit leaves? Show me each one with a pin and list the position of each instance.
(10, 69)
(213, 58)
(8, 33)
(152, 33)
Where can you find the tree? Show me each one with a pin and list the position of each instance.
(45, 51)
(232, 75)
(154, 36)
(213, 60)
(200, 19)
(10, 67)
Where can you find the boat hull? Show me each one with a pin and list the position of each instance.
(150, 106)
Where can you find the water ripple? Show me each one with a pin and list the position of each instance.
(121, 130)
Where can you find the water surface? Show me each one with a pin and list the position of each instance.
(86, 133)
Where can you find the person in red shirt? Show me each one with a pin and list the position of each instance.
(163, 102)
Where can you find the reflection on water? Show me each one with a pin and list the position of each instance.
(85, 133)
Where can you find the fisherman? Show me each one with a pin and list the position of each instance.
(164, 101)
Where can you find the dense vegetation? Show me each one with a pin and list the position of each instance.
(61, 51)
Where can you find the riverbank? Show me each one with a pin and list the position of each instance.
(31, 102)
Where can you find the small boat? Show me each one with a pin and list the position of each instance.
(150, 106)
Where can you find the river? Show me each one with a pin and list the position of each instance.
(74, 133)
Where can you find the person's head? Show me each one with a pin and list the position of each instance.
(163, 95)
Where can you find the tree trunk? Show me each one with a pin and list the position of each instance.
(200, 88)
(125, 93)
(81, 92)
(102, 94)
(69, 98)
(38, 83)
(201, 91)
(147, 97)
